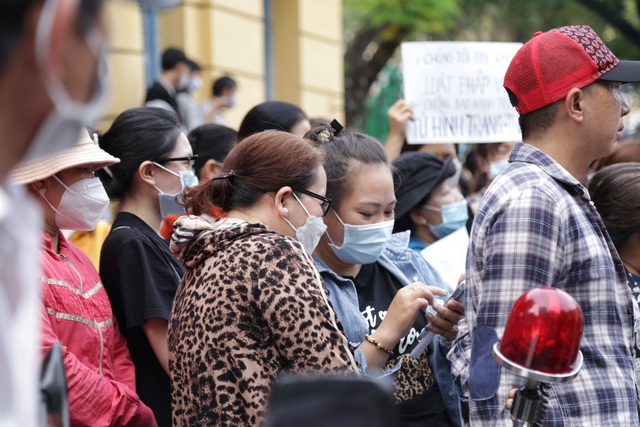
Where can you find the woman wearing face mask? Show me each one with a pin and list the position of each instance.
(430, 204)
(252, 304)
(136, 265)
(211, 143)
(377, 285)
(75, 308)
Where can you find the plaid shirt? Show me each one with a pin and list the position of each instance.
(536, 226)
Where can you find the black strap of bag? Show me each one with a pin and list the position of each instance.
(54, 405)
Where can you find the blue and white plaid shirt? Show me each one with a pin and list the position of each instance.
(536, 226)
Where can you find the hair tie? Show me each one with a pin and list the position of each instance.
(336, 127)
(329, 131)
(227, 175)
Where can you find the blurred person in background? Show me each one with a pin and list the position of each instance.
(378, 285)
(188, 110)
(175, 75)
(211, 143)
(274, 115)
(52, 80)
(430, 204)
(137, 268)
(223, 96)
(75, 307)
(252, 304)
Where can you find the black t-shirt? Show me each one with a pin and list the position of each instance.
(141, 277)
(376, 288)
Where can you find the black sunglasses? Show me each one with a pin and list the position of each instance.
(193, 160)
(325, 201)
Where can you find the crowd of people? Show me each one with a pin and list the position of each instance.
(296, 246)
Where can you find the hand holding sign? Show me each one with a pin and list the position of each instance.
(456, 92)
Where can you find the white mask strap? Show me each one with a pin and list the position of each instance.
(431, 208)
(339, 219)
(48, 202)
(166, 169)
(305, 209)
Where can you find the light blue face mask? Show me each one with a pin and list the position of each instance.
(362, 244)
(496, 167)
(454, 217)
(169, 202)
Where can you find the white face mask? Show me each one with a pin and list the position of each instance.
(194, 84)
(81, 206)
(362, 244)
(312, 230)
(61, 127)
(169, 202)
(233, 100)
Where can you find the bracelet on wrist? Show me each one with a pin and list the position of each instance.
(373, 341)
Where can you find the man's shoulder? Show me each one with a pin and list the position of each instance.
(158, 91)
(518, 180)
(524, 192)
(156, 87)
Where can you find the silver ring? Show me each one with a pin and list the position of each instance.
(415, 288)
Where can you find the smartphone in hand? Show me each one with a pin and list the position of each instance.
(426, 336)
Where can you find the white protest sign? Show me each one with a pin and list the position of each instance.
(449, 255)
(456, 92)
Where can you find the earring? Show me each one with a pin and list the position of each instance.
(424, 221)
(43, 190)
(286, 210)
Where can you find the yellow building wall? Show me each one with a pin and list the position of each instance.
(123, 22)
(227, 37)
(308, 56)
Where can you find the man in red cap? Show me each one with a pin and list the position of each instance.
(535, 226)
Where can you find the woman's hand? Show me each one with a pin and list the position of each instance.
(447, 325)
(402, 312)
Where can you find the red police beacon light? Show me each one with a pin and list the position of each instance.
(541, 343)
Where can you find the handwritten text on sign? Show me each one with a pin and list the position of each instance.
(456, 92)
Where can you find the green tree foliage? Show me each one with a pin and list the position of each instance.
(374, 30)
(616, 21)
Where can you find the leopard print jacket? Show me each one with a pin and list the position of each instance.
(248, 308)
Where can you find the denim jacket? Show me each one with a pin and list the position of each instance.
(408, 267)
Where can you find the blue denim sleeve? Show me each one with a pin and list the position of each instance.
(364, 367)
(441, 368)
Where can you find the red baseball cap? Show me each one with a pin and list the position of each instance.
(549, 65)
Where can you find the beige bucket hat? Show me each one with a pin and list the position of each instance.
(85, 152)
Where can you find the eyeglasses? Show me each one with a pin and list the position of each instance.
(191, 161)
(325, 202)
